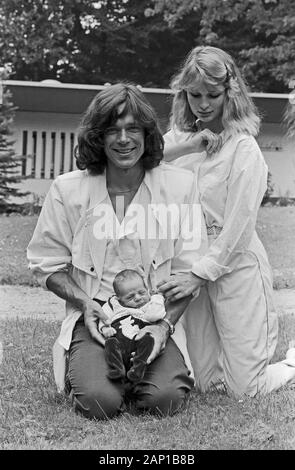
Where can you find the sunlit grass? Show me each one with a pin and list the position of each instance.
(33, 416)
(275, 227)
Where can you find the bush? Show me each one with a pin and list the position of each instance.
(269, 191)
(9, 162)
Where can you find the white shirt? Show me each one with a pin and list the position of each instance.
(122, 250)
(65, 235)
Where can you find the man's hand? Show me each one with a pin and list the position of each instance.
(180, 285)
(160, 333)
(92, 314)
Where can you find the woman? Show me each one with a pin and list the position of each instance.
(232, 327)
(92, 226)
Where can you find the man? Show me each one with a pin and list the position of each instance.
(121, 210)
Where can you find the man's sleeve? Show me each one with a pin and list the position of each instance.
(49, 250)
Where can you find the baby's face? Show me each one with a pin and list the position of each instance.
(133, 293)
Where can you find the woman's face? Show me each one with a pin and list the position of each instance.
(124, 142)
(206, 102)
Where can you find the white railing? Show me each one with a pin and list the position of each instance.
(50, 153)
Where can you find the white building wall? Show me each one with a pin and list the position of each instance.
(279, 152)
(48, 139)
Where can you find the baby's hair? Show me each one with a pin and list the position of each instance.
(124, 275)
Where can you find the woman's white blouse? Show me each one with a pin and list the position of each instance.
(231, 185)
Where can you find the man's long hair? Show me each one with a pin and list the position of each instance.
(103, 112)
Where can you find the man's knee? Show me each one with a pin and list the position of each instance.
(164, 401)
(98, 404)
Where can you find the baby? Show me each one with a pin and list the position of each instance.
(130, 309)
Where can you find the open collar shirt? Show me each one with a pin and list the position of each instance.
(68, 235)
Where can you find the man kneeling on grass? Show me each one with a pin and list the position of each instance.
(76, 256)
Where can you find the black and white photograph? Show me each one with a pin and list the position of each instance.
(147, 228)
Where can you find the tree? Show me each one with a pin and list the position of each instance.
(259, 33)
(9, 162)
(92, 42)
(35, 38)
(133, 46)
(145, 41)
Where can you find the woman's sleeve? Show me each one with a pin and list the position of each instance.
(49, 250)
(191, 243)
(246, 187)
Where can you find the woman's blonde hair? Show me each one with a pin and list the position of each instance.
(213, 66)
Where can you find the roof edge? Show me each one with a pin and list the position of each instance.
(81, 86)
(78, 86)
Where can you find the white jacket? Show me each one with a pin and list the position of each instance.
(64, 239)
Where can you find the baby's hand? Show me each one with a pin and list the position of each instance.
(108, 331)
(154, 290)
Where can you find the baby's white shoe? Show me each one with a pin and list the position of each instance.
(290, 357)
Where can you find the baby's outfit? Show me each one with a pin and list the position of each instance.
(128, 322)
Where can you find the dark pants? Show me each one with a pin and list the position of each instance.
(119, 349)
(163, 388)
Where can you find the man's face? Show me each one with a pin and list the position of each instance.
(124, 143)
(133, 293)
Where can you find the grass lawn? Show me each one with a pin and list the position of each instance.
(275, 226)
(15, 234)
(276, 229)
(33, 416)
